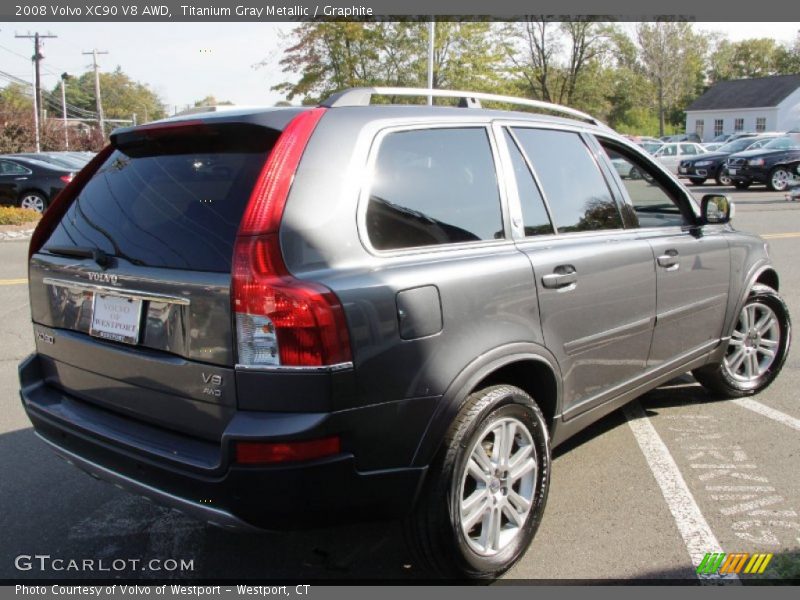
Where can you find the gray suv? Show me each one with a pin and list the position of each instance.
(280, 318)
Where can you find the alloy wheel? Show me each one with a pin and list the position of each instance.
(497, 486)
(754, 343)
(32, 202)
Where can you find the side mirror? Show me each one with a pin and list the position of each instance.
(717, 209)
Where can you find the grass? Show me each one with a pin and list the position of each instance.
(783, 567)
(10, 215)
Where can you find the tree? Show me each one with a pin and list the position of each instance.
(330, 56)
(672, 56)
(745, 59)
(210, 100)
(121, 96)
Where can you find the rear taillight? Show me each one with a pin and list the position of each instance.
(281, 320)
(67, 178)
(58, 207)
(262, 453)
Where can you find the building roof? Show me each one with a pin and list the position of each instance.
(760, 92)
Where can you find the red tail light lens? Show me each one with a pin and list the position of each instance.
(281, 320)
(63, 200)
(67, 178)
(261, 453)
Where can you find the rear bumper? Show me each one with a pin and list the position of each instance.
(198, 477)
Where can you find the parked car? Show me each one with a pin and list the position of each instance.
(766, 165)
(793, 191)
(671, 154)
(283, 317)
(712, 164)
(29, 183)
(712, 146)
(682, 137)
(58, 159)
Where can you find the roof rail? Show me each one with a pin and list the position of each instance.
(363, 95)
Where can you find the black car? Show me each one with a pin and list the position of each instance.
(712, 165)
(767, 165)
(30, 183)
(59, 159)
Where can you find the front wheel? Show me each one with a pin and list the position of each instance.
(697, 180)
(756, 350)
(485, 494)
(741, 185)
(723, 177)
(779, 179)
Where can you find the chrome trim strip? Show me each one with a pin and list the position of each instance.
(127, 293)
(675, 314)
(345, 366)
(617, 334)
(214, 516)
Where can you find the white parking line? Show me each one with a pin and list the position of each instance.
(692, 525)
(768, 412)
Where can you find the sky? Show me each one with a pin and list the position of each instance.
(184, 62)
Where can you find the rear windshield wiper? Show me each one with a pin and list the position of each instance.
(100, 257)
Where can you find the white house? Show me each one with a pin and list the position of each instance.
(760, 104)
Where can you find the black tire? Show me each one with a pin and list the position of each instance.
(722, 177)
(434, 529)
(779, 178)
(697, 180)
(741, 185)
(33, 200)
(718, 378)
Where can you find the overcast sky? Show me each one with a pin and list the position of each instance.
(184, 62)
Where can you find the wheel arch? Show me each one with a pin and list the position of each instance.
(530, 367)
(37, 190)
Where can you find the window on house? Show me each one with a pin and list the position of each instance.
(761, 124)
(699, 126)
(738, 125)
(718, 126)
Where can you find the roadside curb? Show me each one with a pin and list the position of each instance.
(12, 236)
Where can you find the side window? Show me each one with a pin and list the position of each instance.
(573, 184)
(669, 150)
(653, 204)
(10, 168)
(434, 186)
(534, 214)
(688, 149)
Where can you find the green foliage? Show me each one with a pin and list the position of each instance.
(212, 101)
(747, 58)
(121, 96)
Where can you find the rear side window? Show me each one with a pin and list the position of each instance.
(534, 214)
(576, 191)
(432, 187)
(172, 201)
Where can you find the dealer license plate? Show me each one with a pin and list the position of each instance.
(732, 171)
(682, 169)
(116, 318)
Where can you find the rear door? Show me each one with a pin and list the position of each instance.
(594, 279)
(11, 177)
(130, 295)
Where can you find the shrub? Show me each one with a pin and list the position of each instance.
(10, 215)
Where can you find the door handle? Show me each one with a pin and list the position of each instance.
(669, 260)
(562, 276)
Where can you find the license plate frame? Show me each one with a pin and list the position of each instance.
(117, 318)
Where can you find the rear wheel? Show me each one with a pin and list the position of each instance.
(756, 350)
(723, 177)
(779, 179)
(33, 201)
(485, 495)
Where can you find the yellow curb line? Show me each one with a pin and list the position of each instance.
(14, 281)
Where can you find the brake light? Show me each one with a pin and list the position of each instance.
(281, 320)
(67, 178)
(260, 453)
(52, 216)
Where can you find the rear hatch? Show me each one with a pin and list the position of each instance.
(130, 293)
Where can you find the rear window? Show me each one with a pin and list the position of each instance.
(172, 200)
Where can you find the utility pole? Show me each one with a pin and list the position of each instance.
(37, 81)
(94, 52)
(36, 118)
(431, 34)
(64, 77)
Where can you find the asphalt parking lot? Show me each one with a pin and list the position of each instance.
(641, 494)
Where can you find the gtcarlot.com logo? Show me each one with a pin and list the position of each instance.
(741, 562)
(46, 562)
